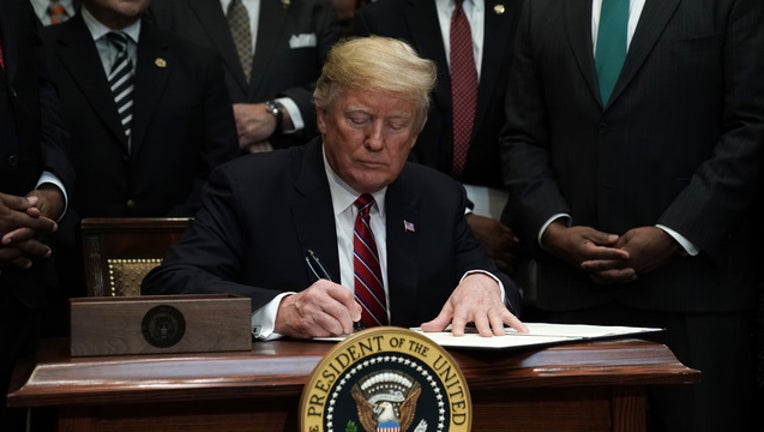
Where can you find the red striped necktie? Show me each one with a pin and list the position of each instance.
(369, 289)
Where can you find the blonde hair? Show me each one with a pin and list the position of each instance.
(377, 63)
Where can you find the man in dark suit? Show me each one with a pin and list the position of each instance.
(635, 183)
(371, 103)
(149, 152)
(426, 24)
(270, 83)
(34, 176)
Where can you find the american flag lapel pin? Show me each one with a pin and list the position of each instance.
(408, 226)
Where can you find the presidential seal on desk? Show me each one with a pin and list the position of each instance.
(386, 379)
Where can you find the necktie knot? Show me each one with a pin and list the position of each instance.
(57, 12)
(118, 40)
(364, 203)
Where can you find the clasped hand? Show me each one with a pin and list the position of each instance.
(24, 223)
(609, 258)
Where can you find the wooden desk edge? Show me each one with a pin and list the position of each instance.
(282, 368)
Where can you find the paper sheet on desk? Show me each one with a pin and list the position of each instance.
(540, 334)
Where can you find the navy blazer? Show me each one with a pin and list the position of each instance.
(293, 39)
(416, 22)
(251, 240)
(678, 144)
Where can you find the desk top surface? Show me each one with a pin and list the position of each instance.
(281, 369)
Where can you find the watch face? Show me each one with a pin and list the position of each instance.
(273, 108)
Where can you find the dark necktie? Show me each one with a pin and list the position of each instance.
(121, 80)
(464, 86)
(238, 21)
(57, 12)
(369, 289)
(611, 45)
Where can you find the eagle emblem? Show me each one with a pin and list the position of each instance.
(386, 401)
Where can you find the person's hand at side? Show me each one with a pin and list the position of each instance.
(590, 250)
(497, 239)
(323, 309)
(476, 300)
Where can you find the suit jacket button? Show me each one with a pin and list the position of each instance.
(125, 157)
(12, 160)
(602, 127)
(131, 203)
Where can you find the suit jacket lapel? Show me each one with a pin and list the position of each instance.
(578, 18)
(312, 208)
(655, 16)
(271, 27)
(79, 55)
(496, 26)
(211, 16)
(152, 71)
(422, 19)
(402, 205)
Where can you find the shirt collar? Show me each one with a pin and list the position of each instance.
(343, 196)
(99, 30)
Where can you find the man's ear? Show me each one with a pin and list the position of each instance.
(321, 120)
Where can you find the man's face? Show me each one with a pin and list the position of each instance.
(368, 136)
(116, 14)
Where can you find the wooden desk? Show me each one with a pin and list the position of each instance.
(583, 387)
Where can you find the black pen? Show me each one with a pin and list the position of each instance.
(318, 270)
(315, 266)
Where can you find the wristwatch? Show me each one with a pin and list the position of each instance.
(275, 109)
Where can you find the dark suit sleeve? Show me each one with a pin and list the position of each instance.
(54, 142)
(209, 256)
(724, 186)
(534, 193)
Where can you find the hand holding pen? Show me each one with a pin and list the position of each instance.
(320, 272)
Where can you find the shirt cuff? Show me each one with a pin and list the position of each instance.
(294, 114)
(687, 245)
(489, 274)
(264, 319)
(549, 222)
(48, 177)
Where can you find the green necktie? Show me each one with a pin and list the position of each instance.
(238, 20)
(611, 44)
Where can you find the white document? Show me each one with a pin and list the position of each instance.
(539, 334)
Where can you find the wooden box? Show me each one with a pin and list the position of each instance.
(160, 324)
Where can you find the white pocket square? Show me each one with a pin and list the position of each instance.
(302, 40)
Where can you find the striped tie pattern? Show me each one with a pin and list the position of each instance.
(238, 21)
(369, 290)
(464, 84)
(122, 80)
